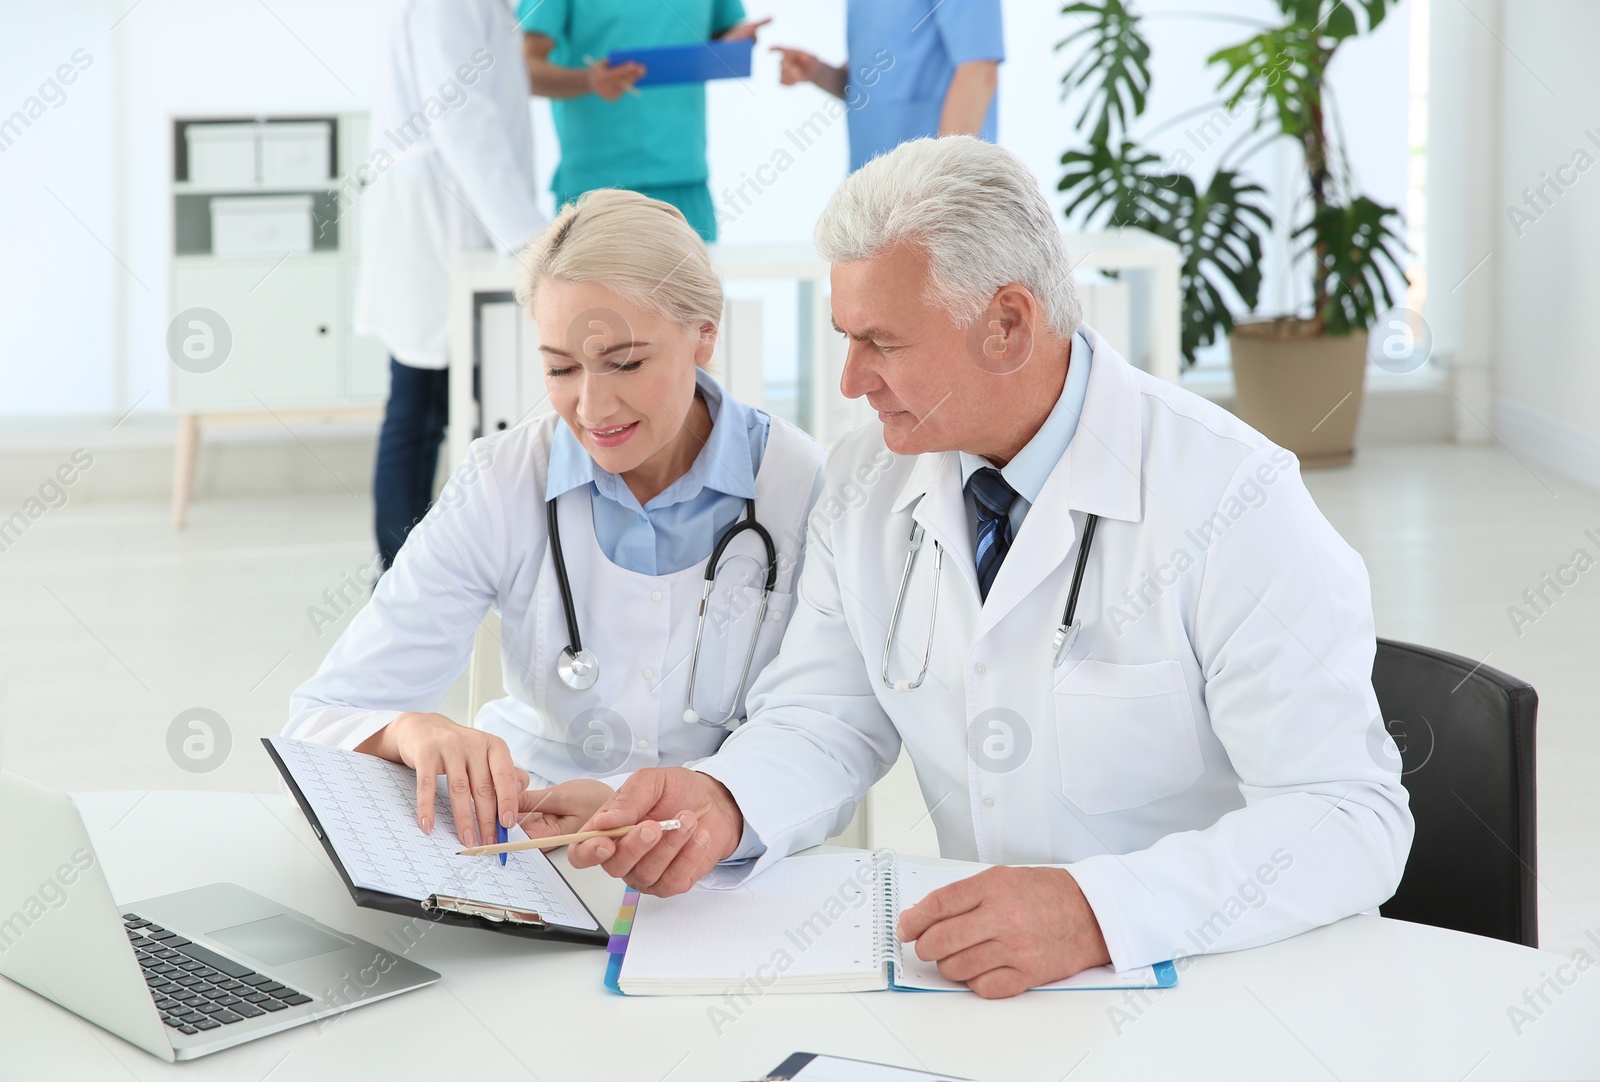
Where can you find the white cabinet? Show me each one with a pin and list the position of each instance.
(285, 325)
(261, 325)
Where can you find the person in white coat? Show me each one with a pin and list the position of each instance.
(450, 172)
(655, 479)
(1196, 762)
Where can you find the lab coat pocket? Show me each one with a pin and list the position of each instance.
(1125, 734)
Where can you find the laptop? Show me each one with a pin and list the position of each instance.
(182, 975)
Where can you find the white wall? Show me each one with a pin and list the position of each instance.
(1512, 303)
(1549, 272)
(86, 305)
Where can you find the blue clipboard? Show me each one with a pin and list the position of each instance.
(670, 65)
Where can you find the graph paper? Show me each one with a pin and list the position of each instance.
(367, 808)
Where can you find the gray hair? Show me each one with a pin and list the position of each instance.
(978, 212)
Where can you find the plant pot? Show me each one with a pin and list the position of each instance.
(1300, 389)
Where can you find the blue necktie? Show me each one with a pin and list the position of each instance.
(993, 498)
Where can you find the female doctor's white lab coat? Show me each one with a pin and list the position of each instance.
(1209, 760)
(485, 544)
(450, 168)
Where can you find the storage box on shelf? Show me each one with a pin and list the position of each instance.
(266, 243)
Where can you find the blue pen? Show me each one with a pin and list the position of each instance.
(500, 833)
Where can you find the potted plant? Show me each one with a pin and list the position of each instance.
(1298, 377)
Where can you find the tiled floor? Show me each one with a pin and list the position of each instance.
(115, 625)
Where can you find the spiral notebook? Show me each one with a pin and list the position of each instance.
(814, 922)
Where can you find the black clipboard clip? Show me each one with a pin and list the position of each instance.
(499, 914)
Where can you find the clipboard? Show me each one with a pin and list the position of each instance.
(442, 908)
(673, 65)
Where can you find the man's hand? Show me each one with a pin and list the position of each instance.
(562, 809)
(1006, 930)
(798, 66)
(610, 83)
(653, 861)
(483, 781)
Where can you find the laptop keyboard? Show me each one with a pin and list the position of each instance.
(198, 989)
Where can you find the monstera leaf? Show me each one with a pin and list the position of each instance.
(1351, 245)
(1336, 19)
(1219, 231)
(1114, 65)
(1284, 67)
(1120, 186)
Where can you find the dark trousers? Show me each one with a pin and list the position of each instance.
(408, 452)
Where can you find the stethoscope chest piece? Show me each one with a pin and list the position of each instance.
(578, 670)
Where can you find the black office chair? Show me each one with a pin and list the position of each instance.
(1465, 735)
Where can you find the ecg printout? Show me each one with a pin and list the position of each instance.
(367, 808)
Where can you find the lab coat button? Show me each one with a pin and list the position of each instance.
(649, 674)
(655, 595)
(980, 668)
(644, 743)
(988, 801)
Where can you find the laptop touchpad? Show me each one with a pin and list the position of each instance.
(278, 940)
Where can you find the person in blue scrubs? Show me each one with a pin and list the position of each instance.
(916, 68)
(612, 134)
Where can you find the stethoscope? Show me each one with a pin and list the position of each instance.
(578, 668)
(1066, 634)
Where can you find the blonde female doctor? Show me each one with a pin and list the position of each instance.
(591, 531)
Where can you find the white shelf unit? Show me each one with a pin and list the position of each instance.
(294, 353)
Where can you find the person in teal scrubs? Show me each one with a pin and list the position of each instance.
(915, 68)
(613, 134)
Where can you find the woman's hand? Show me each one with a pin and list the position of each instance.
(483, 782)
(562, 809)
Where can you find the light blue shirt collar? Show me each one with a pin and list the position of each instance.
(723, 464)
(1028, 471)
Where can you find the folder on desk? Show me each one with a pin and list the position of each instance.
(364, 810)
(813, 922)
(670, 65)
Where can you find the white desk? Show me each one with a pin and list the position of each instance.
(1363, 998)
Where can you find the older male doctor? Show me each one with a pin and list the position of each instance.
(1197, 764)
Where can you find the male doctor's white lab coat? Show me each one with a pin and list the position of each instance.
(450, 170)
(1209, 760)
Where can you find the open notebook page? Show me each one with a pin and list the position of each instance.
(805, 924)
(917, 881)
(367, 806)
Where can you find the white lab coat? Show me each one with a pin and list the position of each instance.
(1209, 760)
(450, 169)
(485, 544)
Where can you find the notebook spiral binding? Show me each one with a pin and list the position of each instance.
(886, 948)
